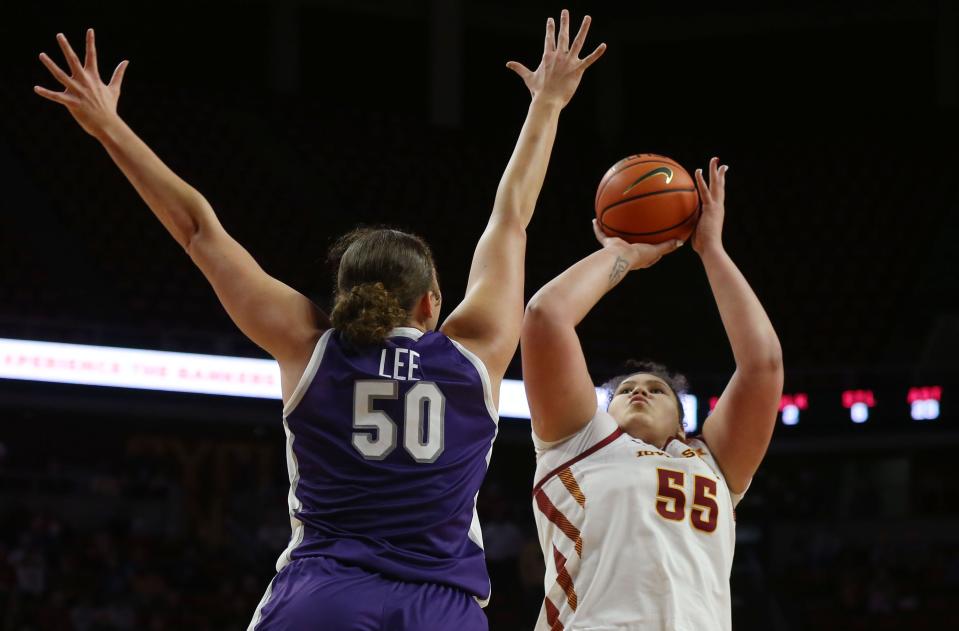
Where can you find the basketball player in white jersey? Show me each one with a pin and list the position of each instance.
(636, 519)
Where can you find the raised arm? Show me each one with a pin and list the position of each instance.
(741, 425)
(488, 320)
(277, 318)
(561, 395)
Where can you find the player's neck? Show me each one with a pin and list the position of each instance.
(413, 323)
(420, 317)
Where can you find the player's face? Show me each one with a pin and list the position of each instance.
(437, 298)
(644, 406)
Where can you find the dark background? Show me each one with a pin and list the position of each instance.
(301, 119)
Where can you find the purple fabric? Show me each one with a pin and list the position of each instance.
(324, 595)
(403, 518)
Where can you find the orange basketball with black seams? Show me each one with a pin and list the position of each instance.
(647, 198)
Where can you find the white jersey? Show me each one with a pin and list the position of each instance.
(634, 537)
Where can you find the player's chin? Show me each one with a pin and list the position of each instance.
(639, 423)
(646, 427)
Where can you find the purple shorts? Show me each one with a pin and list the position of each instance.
(321, 594)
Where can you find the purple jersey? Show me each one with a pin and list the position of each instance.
(387, 447)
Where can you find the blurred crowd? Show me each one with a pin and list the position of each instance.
(120, 529)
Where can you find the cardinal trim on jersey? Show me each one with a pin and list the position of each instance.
(616, 434)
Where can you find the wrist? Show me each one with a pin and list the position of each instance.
(712, 252)
(623, 252)
(546, 104)
(109, 129)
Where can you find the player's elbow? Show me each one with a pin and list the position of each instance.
(513, 209)
(771, 360)
(198, 225)
(509, 226)
(203, 242)
(766, 369)
(535, 309)
(542, 313)
(193, 239)
(763, 359)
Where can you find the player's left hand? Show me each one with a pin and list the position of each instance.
(559, 72)
(709, 230)
(91, 102)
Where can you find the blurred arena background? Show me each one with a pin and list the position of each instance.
(123, 508)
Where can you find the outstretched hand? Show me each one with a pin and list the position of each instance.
(90, 101)
(561, 69)
(637, 255)
(709, 230)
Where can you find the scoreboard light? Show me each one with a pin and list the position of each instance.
(690, 416)
(858, 403)
(790, 405)
(924, 402)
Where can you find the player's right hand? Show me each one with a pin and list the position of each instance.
(639, 255)
(560, 70)
(91, 102)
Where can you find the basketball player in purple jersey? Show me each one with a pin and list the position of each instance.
(389, 422)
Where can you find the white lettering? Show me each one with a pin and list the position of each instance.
(412, 366)
(383, 364)
(398, 363)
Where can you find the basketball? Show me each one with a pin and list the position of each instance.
(647, 198)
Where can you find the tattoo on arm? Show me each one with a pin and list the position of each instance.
(620, 266)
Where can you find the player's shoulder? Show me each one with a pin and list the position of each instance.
(601, 427)
(595, 437)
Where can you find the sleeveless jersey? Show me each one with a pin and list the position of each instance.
(634, 536)
(387, 447)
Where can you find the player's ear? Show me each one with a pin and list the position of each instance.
(426, 306)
